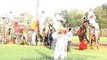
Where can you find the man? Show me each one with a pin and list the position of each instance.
(33, 38)
(60, 52)
(42, 20)
(69, 37)
(82, 33)
(50, 39)
(91, 17)
(54, 36)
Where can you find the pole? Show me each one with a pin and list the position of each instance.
(37, 17)
(37, 8)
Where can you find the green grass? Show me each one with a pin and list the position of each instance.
(89, 54)
(19, 52)
(103, 40)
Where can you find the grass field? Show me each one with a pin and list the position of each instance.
(25, 52)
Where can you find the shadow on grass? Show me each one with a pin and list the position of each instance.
(75, 46)
(44, 56)
(103, 44)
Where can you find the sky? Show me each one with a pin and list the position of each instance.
(50, 6)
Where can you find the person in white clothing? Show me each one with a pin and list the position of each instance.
(54, 36)
(69, 37)
(60, 52)
(33, 42)
(91, 17)
(42, 19)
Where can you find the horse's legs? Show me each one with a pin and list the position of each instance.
(79, 38)
(96, 43)
(36, 39)
(91, 45)
(86, 39)
(40, 39)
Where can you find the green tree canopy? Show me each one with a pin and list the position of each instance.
(101, 13)
(73, 17)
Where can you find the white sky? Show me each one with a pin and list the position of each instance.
(50, 6)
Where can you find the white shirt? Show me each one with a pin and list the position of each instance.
(42, 19)
(69, 35)
(54, 35)
(61, 44)
(33, 38)
(62, 40)
(91, 17)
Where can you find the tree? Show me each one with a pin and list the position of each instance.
(73, 17)
(101, 13)
(66, 16)
(104, 6)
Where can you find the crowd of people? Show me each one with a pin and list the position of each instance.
(89, 34)
(57, 37)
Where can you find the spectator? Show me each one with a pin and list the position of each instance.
(69, 37)
(60, 52)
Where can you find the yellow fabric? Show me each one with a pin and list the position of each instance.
(62, 27)
(33, 25)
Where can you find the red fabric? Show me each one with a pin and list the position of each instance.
(65, 31)
(82, 45)
(16, 27)
(31, 29)
(78, 32)
(37, 25)
(93, 37)
(20, 30)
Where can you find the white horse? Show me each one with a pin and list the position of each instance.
(96, 33)
(92, 22)
(58, 23)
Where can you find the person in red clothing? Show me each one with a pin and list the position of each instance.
(81, 33)
(37, 31)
